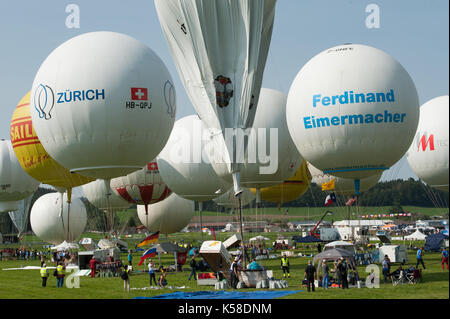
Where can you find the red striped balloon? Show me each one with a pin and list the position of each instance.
(143, 187)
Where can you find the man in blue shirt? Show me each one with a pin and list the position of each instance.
(420, 258)
(386, 264)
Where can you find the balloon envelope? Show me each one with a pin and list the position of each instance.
(184, 165)
(50, 226)
(289, 190)
(228, 200)
(344, 186)
(428, 154)
(269, 135)
(32, 156)
(96, 193)
(352, 111)
(103, 104)
(167, 216)
(15, 183)
(142, 187)
(220, 50)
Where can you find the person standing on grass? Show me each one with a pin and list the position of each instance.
(386, 267)
(130, 257)
(285, 266)
(420, 258)
(343, 271)
(60, 274)
(44, 274)
(444, 258)
(325, 275)
(126, 278)
(193, 265)
(310, 275)
(151, 272)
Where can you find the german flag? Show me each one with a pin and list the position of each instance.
(153, 238)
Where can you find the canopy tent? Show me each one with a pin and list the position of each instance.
(258, 238)
(167, 248)
(334, 254)
(65, 246)
(417, 235)
(341, 245)
(435, 242)
(106, 244)
(308, 239)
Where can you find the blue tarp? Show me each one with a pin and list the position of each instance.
(434, 242)
(222, 294)
(308, 239)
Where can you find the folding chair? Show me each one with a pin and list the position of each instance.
(398, 277)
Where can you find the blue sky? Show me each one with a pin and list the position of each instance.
(415, 32)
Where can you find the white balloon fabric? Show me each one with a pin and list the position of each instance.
(228, 200)
(103, 104)
(220, 50)
(184, 164)
(15, 183)
(344, 186)
(50, 225)
(352, 111)
(100, 194)
(167, 216)
(143, 187)
(428, 154)
(271, 155)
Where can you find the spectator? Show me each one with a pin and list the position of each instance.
(420, 258)
(193, 265)
(126, 278)
(151, 272)
(325, 275)
(162, 281)
(386, 267)
(444, 258)
(310, 275)
(343, 270)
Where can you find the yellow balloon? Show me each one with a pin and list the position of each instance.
(32, 156)
(290, 189)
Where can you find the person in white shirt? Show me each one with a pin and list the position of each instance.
(151, 272)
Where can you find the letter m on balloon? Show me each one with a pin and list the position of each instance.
(424, 142)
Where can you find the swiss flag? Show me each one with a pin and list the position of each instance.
(140, 94)
(153, 166)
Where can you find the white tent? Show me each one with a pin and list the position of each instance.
(417, 235)
(65, 246)
(340, 244)
(258, 238)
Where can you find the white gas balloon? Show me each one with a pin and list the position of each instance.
(50, 225)
(184, 164)
(271, 155)
(167, 216)
(428, 154)
(352, 111)
(344, 186)
(220, 50)
(99, 194)
(228, 200)
(103, 104)
(15, 183)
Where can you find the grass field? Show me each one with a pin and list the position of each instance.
(26, 284)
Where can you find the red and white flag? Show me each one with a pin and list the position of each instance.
(350, 201)
(140, 94)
